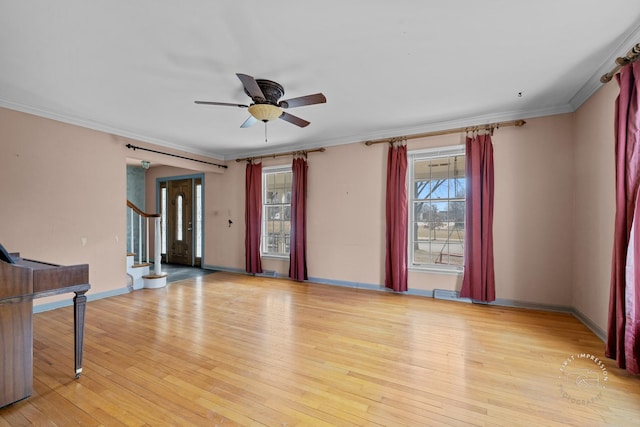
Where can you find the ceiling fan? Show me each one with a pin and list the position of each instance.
(265, 107)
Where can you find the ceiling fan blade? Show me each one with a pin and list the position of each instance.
(294, 119)
(221, 103)
(251, 86)
(249, 122)
(316, 98)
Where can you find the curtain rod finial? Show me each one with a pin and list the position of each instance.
(606, 78)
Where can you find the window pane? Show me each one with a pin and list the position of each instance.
(198, 220)
(163, 215)
(456, 211)
(179, 217)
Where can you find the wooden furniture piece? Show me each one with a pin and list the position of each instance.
(22, 280)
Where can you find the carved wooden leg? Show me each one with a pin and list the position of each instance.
(79, 305)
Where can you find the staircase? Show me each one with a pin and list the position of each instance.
(138, 269)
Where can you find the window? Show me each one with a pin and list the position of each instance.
(163, 214)
(436, 208)
(276, 210)
(198, 220)
(179, 217)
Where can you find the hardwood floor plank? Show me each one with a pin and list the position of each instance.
(229, 349)
(271, 384)
(55, 407)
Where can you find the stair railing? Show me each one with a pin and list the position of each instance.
(134, 212)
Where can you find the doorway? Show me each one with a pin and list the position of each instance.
(181, 209)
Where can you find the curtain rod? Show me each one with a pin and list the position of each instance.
(134, 148)
(631, 56)
(450, 131)
(290, 153)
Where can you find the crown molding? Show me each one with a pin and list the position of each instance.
(100, 127)
(430, 127)
(592, 85)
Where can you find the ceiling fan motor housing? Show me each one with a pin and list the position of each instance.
(271, 90)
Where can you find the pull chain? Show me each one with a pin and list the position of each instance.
(265, 131)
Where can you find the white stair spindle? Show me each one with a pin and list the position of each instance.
(131, 245)
(156, 250)
(146, 221)
(140, 254)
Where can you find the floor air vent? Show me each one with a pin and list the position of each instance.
(268, 273)
(449, 295)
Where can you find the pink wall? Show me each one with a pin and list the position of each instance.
(63, 197)
(595, 204)
(345, 231)
(533, 229)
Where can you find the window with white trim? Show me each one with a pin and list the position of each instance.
(276, 210)
(437, 189)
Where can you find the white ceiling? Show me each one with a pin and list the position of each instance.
(387, 68)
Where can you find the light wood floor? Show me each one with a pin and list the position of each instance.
(229, 349)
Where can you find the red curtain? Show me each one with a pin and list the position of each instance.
(298, 246)
(397, 219)
(253, 217)
(478, 280)
(623, 332)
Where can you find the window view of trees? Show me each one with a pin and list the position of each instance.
(438, 205)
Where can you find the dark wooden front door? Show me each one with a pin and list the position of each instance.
(180, 222)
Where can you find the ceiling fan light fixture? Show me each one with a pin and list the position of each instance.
(265, 112)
